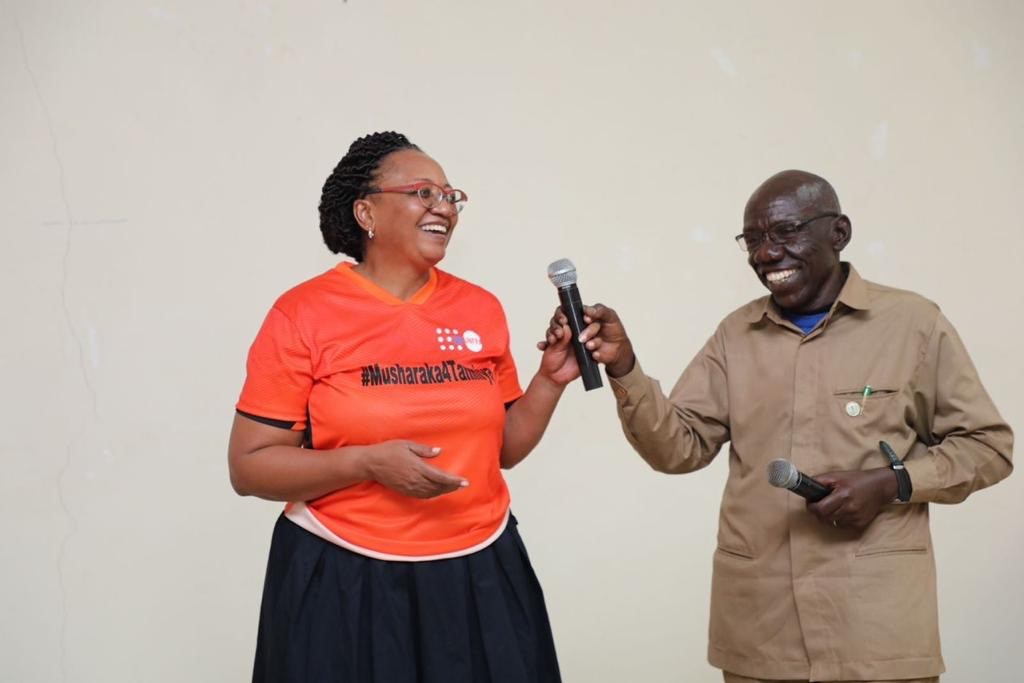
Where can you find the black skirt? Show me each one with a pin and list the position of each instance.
(332, 615)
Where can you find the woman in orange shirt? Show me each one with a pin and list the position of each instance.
(381, 401)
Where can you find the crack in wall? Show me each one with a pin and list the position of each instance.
(79, 343)
(101, 221)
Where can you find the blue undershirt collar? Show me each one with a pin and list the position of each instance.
(806, 322)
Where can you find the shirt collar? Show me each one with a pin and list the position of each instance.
(854, 295)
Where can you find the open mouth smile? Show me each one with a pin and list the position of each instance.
(778, 277)
(435, 228)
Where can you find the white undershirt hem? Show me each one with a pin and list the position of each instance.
(304, 517)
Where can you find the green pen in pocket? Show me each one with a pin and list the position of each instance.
(864, 396)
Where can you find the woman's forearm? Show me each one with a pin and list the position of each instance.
(289, 473)
(527, 419)
(267, 462)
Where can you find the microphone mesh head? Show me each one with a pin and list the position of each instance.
(562, 273)
(781, 473)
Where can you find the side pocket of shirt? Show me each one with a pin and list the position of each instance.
(733, 552)
(897, 530)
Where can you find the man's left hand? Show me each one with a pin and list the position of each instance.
(856, 497)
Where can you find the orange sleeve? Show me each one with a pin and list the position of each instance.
(279, 373)
(508, 376)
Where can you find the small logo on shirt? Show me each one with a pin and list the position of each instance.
(450, 339)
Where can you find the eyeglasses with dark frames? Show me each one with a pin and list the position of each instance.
(429, 194)
(779, 234)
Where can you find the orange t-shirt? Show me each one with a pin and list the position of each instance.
(345, 359)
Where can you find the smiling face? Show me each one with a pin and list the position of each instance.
(804, 274)
(405, 232)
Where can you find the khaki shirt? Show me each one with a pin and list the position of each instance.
(790, 597)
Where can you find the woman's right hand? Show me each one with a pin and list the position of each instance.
(402, 466)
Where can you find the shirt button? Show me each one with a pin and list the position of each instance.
(853, 409)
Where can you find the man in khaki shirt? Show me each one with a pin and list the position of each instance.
(817, 372)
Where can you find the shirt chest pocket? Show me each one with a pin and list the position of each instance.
(872, 413)
(863, 397)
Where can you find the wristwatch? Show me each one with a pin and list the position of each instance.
(903, 486)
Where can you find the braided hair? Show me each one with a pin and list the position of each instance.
(351, 179)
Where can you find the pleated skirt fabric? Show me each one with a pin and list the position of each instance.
(330, 615)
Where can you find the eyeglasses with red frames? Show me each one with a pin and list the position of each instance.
(429, 194)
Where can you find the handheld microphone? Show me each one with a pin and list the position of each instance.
(562, 274)
(785, 475)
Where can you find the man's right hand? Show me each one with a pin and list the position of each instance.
(401, 466)
(605, 337)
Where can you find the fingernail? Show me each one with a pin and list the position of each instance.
(435, 450)
(463, 483)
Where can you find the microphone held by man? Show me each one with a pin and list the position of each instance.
(784, 474)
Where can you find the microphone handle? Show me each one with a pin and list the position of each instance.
(572, 305)
(809, 488)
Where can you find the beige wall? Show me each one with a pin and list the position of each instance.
(161, 165)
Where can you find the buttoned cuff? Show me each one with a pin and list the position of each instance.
(631, 387)
(924, 477)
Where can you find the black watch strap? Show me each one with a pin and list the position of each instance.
(903, 486)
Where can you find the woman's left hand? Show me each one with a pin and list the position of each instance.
(558, 363)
